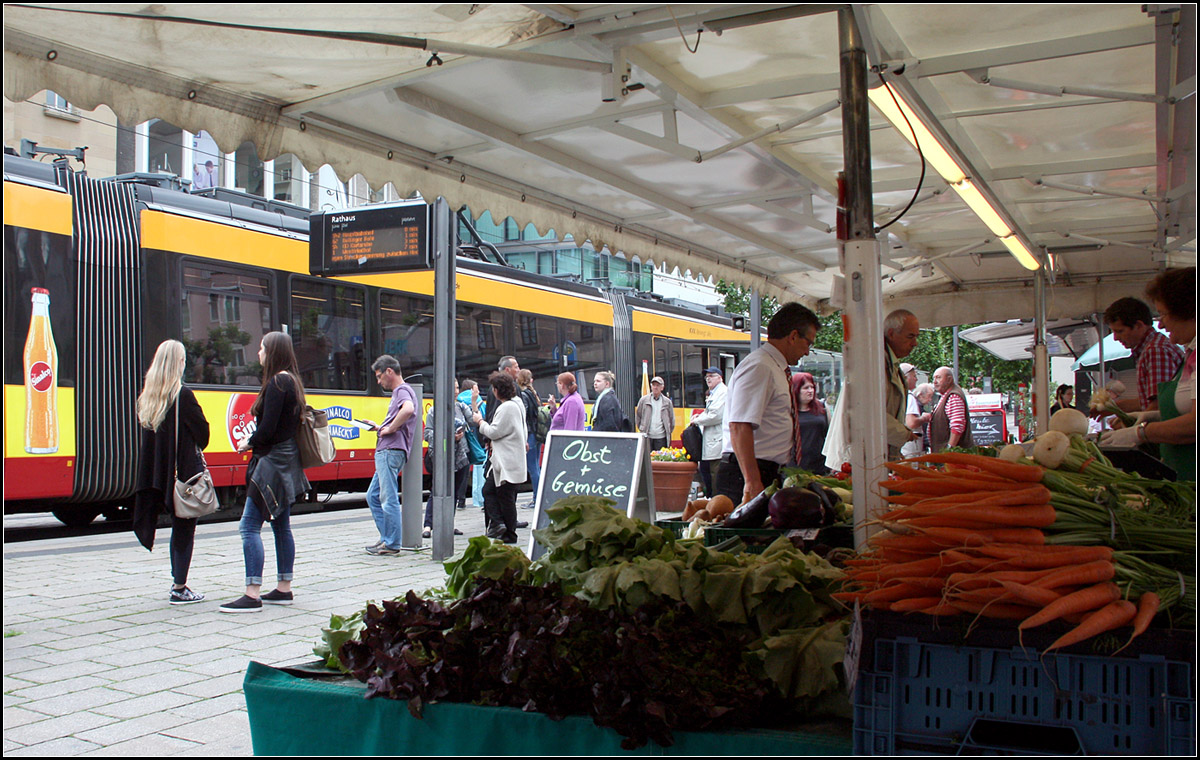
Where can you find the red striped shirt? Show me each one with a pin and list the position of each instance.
(956, 413)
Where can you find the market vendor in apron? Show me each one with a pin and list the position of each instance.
(1173, 424)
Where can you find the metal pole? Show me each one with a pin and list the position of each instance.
(958, 379)
(1100, 356)
(755, 319)
(1041, 357)
(856, 129)
(861, 255)
(441, 493)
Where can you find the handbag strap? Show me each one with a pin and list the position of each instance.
(177, 436)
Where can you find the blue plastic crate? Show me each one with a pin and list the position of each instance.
(931, 698)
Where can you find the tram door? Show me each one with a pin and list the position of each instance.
(681, 365)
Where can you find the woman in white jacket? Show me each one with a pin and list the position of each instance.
(709, 422)
(508, 435)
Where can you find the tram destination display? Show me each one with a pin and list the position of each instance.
(372, 239)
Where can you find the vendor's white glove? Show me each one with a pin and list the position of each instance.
(1125, 438)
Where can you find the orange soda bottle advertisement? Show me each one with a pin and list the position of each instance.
(41, 379)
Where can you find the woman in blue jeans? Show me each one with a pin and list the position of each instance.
(274, 477)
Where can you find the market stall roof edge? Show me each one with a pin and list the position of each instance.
(712, 147)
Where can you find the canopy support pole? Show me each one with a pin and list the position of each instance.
(1101, 329)
(441, 492)
(755, 319)
(861, 268)
(1041, 356)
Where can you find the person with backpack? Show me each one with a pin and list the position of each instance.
(462, 463)
(533, 403)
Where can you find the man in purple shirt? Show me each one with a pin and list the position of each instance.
(396, 435)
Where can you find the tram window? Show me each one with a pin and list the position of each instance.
(327, 328)
(585, 350)
(225, 314)
(825, 367)
(535, 344)
(480, 338)
(36, 259)
(694, 387)
(407, 323)
(667, 363)
(661, 361)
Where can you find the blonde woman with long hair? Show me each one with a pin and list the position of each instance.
(169, 451)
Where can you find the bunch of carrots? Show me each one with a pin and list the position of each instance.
(969, 538)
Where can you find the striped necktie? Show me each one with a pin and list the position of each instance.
(795, 421)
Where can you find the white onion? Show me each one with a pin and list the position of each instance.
(1013, 452)
(1051, 448)
(1069, 421)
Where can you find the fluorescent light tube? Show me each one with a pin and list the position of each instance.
(1020, 252)
(977, 203)
(926, 143)
(895, 110)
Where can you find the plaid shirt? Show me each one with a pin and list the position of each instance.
(1158, 360)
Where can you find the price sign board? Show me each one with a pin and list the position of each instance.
(370, 239)
(988, 428)
(584, 463)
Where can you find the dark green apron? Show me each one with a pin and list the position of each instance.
(1180, 457)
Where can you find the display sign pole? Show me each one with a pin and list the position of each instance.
(613, 466)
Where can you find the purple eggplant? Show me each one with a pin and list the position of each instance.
(753, 513)
(797, 509)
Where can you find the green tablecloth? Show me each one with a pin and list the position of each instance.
(298, 716)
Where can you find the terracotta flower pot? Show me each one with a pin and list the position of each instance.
(672, 484)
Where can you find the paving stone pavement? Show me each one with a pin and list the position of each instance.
(97, 663)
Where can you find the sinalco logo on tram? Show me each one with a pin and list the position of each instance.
(239, 422)
(41, 376)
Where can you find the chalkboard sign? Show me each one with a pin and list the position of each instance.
(584, 463)
(988, 428)
(391, 238)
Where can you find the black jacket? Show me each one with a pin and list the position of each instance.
(159, 459)
(530, 397)
(280, 417)
(607, 415)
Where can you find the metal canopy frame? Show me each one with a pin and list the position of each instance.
(600, 121)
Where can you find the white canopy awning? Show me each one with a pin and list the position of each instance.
(1014, 340)
(1068, 113)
